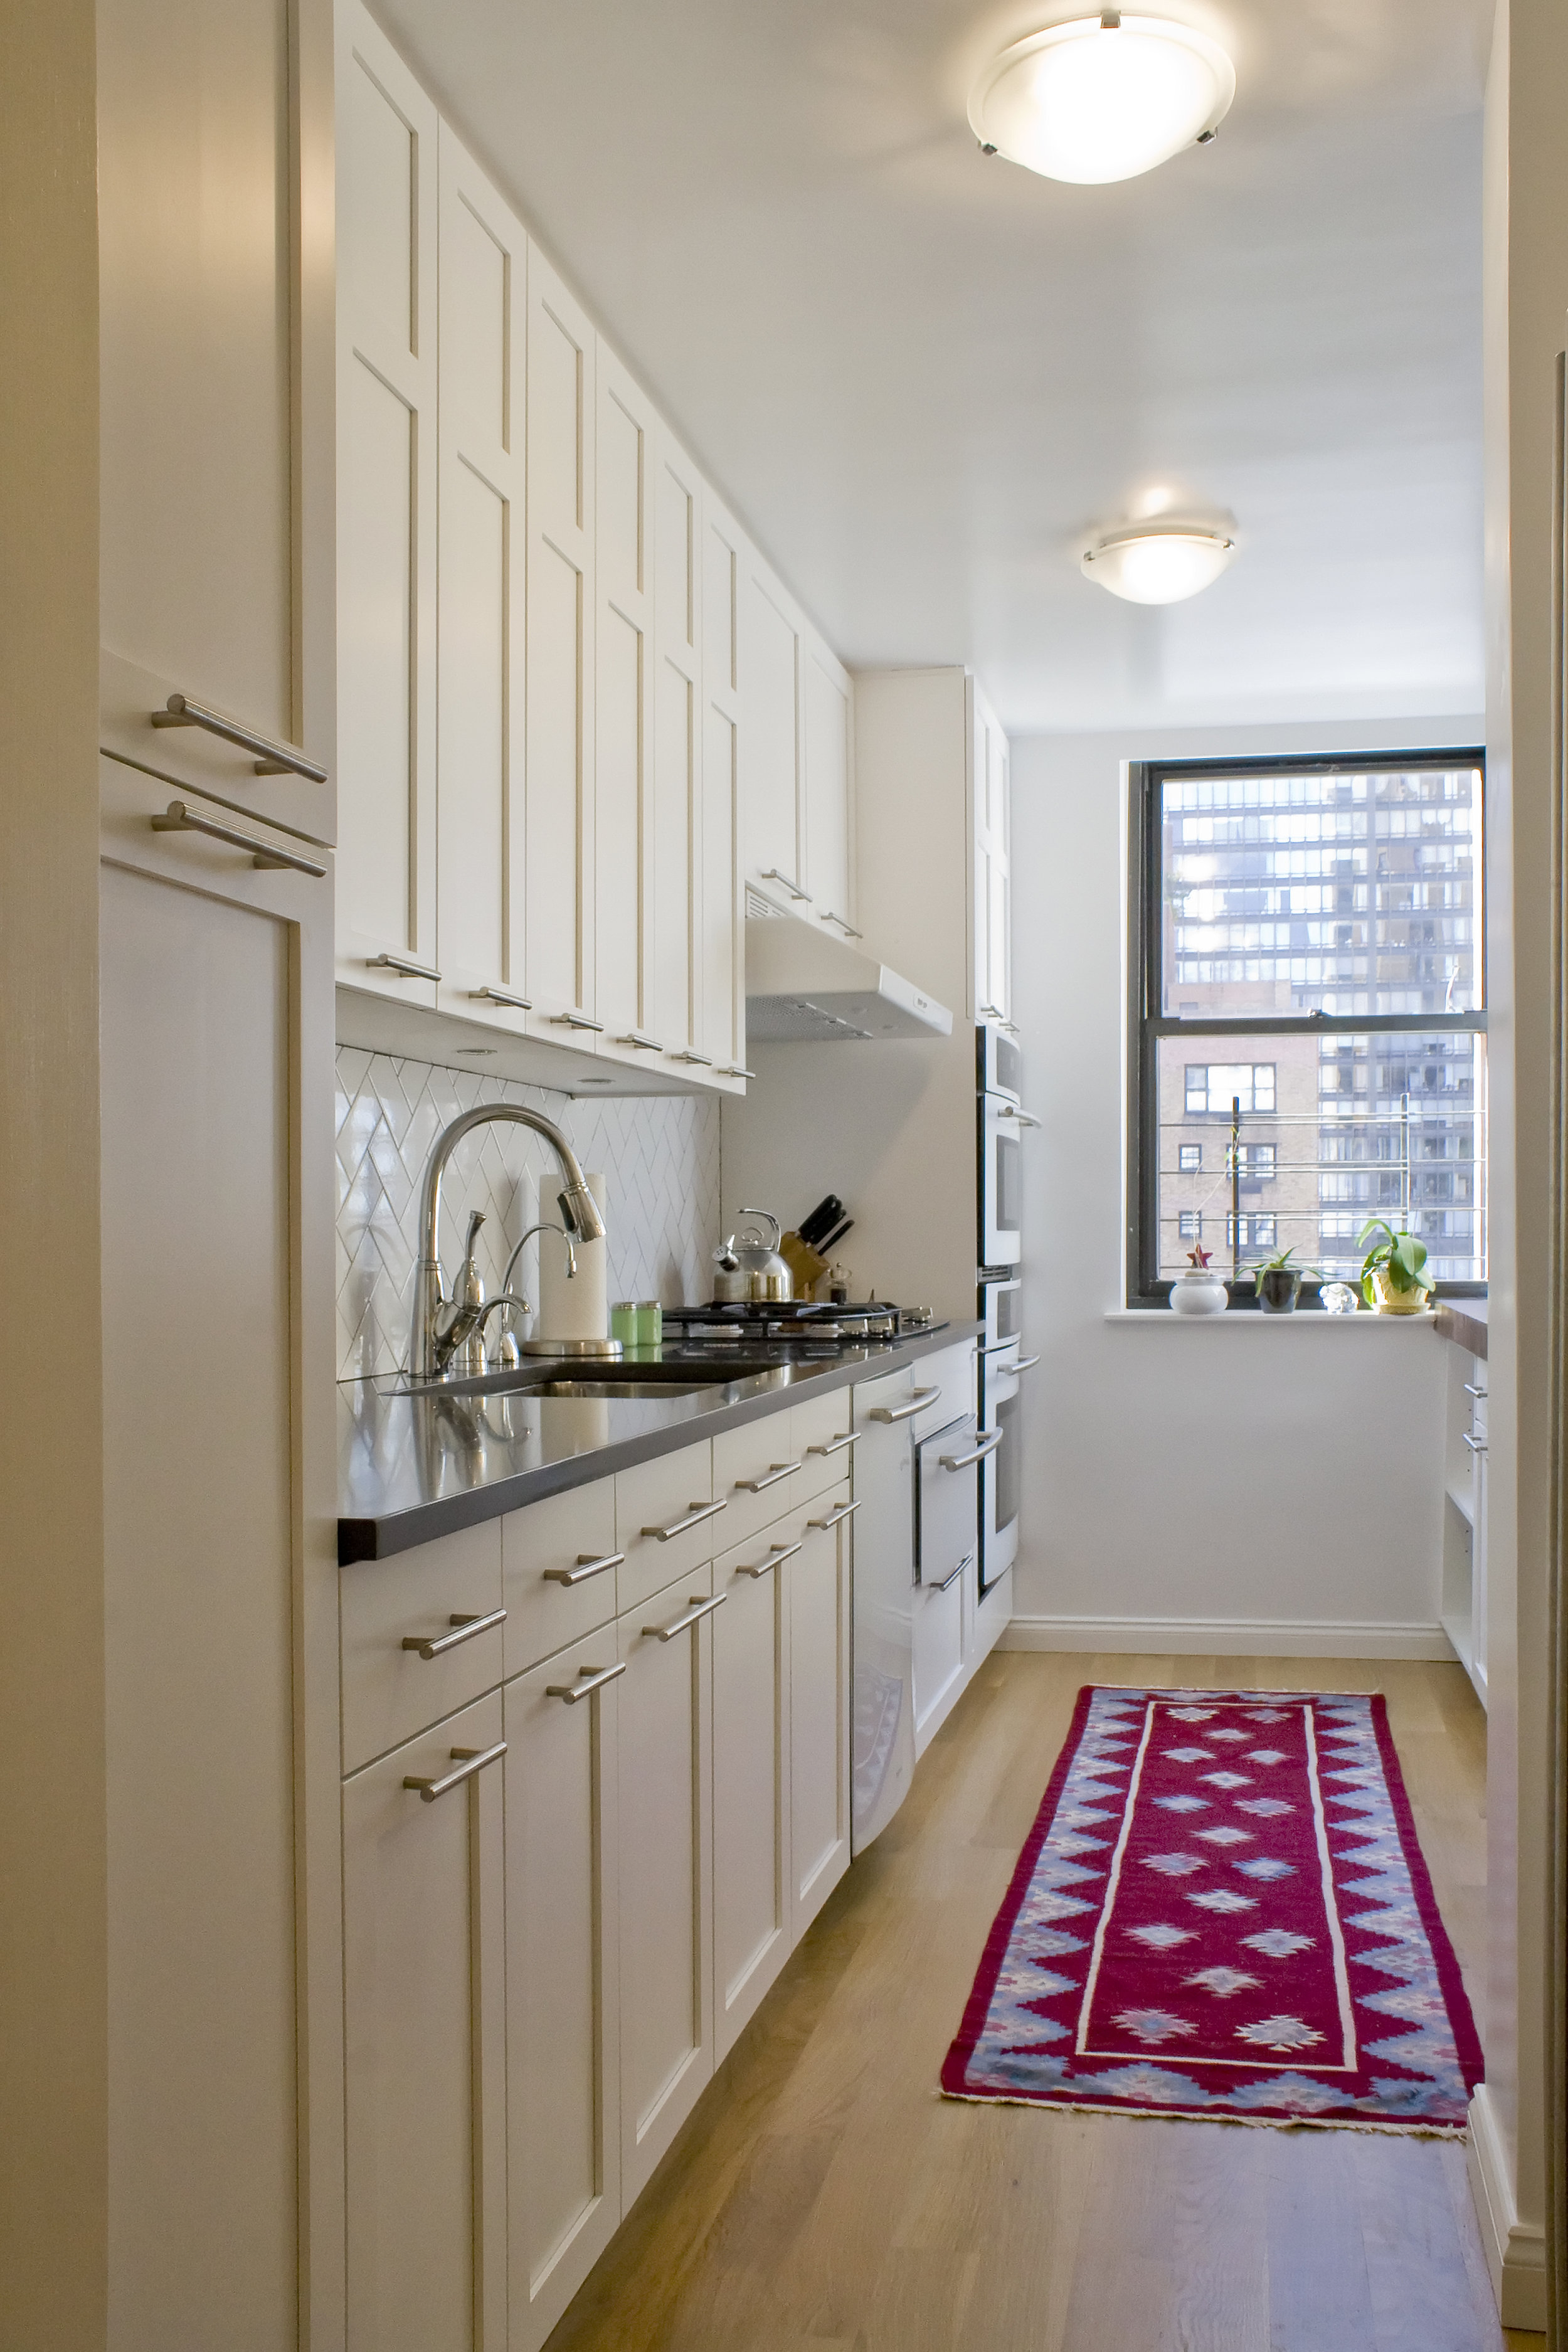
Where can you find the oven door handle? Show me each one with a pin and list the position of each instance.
(1025, 1363)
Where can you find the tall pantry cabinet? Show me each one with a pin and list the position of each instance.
(224, 2127)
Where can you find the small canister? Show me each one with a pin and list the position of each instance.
(650, 1320)
(624, 1322)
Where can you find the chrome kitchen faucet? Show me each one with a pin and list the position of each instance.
(442, 1324)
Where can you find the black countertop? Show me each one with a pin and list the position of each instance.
(414, 1464)
(1464, 1322)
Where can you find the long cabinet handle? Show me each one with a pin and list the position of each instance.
(735, 1070)
(1475, 1444)
(577, 1019)
(1471, 1390)
(850, 1437)
(687, 1617)
(1025, 1364)
(271, 758)
(695, 1514)
(917, 1403)
(507, 996)
(178, 818)
(703, 1061)
(836, 1518)
(406, 967)
(995, 1013)
(473, 1760)
(643, 1044)
(987, 1446)
(464, 1629)
(598, 1676)
(588, 1564)
(776, 873)
(953, 1577)
(844, 925)
(781, 1552)
(776, 1470)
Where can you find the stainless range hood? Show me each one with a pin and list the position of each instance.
(803, 984)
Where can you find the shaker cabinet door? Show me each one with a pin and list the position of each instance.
(721, 929)
(624, 761)
(678, 740)
(751, 1777)
(819, 1580)
(481, 568)
(388, 373)
(425, 2006)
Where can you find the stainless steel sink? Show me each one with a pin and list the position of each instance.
(590, 1385)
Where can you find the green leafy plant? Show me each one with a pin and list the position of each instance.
(1401, 1256)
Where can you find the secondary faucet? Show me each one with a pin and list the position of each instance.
(440, 1323)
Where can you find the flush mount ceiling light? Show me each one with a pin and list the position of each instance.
(1102, 97)
(1157, 562)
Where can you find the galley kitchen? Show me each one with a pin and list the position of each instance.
(780, 936)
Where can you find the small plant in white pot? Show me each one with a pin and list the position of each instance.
(1199, 1292)
(1392, 1280)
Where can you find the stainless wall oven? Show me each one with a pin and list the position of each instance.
(999, 1064)
(1001, 1181)
(1001, 1378)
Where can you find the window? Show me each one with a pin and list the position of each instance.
(1309, 1016)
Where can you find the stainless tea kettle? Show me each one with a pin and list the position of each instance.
(767, 1274)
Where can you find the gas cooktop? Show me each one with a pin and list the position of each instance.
(798, 1323)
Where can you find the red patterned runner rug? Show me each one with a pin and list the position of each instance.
(1222, 1911)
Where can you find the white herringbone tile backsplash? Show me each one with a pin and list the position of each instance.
(659, 1155)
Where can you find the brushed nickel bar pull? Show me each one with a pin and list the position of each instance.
(501, 997)
(986, 1447)
(844, 925)
(643, 1044)
(836, 1518)
(577, 1019)
(776, 874)
(705, 1061)
(588, 1564)
(776, 1470)
(966, 1562)
(687, 1617)
(850, 1437)
(403, 966)
(597, 1677)
(695, 1514)
(435, 1645)
(917, 1403)
(1471, 1390)
(781, 1552)
(734, 1070)
(995, 1013)
(1026, 1364)
(178, 818)
(1475, 1444)
(473, 1760)
(271, 758)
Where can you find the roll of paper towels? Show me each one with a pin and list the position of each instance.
(578, 1309)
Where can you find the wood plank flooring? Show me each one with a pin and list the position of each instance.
(823, 2197)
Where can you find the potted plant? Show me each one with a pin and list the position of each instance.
(1198, 1291)
(1278, 1282)
(1392, 1281)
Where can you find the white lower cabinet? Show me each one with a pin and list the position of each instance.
(423, 1955)
(751, 1774)
(819, 1585)
(665, 1874)
(562, 1860)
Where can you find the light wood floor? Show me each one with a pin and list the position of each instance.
(823, 2199)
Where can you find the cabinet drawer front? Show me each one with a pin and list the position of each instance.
(820, 1422)
(390, 1692)
(658, 1495)
(753, 1469)
(539, 1547)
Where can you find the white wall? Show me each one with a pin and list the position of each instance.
(1241, 1486)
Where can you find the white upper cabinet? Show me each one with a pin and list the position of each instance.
(826, 723)
(677, 751)
(796, 773)
(480, 568)
(991, 977)
(560, 619)
(624, 669)
(721, 1018)
(388, 371)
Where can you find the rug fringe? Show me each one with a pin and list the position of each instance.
(1188, 2115)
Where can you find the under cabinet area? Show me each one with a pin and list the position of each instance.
(597, 1786)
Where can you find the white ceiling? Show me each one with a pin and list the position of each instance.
(920, 373)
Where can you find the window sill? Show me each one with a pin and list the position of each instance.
(1253, 1315)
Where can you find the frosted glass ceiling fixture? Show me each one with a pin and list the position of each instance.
(1102, 97)
(1157, 562)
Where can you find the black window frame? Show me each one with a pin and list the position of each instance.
(1148, 1021)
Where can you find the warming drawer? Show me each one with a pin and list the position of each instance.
(946, 1499)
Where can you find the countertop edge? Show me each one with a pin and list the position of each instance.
(371, 1539)
(1463, 1321)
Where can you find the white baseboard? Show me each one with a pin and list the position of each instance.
(1515, 2249)
(1240, 1637)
